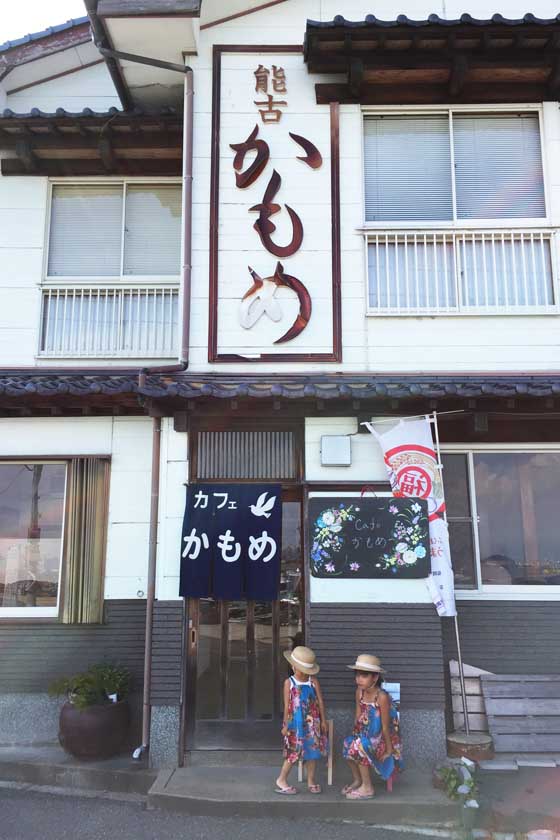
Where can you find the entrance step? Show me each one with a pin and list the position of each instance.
(229, 791)
(49, 765)
(233, 758)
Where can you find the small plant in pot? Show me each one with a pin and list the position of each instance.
(94, 720)
(458, 780)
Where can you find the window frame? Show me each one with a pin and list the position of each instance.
(42, 613)
(456, 224)
(543, 224)
(493, 592)
(106, 280)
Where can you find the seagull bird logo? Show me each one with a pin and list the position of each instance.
(263, 507)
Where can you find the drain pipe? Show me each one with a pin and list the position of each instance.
(143, 750)
(182, 364)
(100, 39)
(186, 272)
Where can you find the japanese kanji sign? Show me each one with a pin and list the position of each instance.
(275, 232)
(269, 108)
(231, 542)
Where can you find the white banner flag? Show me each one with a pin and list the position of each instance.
(413, 469)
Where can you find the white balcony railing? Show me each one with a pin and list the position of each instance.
(109, 322)
(461, 271)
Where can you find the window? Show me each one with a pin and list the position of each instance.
(479, 179)
(456, 166)
(502, 518)
(115, 230)
(32, 497)
(52, 539)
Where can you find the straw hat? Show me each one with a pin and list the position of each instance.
(303, 659)
(365, 662)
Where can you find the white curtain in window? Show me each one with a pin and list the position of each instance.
(407, 168)
(506, 270)
(418, 273)
(85, 231)
(108, 322)
(150, 322)
(498, 168)
(152, 244)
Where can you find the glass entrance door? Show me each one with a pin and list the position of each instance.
(238, 668)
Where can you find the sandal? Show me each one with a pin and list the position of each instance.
(287, 791)
(315, 789)
(353, 794)
(347, 788)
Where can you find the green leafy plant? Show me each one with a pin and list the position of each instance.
(459, 782)
(94, 686)
(456, 786)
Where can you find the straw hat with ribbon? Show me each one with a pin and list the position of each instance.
(365, 662)
(303, 659)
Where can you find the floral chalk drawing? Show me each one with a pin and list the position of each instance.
(369, 538)
(327, 538)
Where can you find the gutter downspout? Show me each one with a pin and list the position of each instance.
(182, 364)
(188, 147)
(100, 38)
(144, 749)
(186, 272)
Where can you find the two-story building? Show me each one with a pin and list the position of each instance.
(228, 231)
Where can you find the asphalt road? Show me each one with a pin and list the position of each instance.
(31, 815)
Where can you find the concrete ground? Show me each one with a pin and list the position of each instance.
(248, 791)
(28, 815)
(522, 800)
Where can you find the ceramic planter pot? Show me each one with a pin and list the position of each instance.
(96, 732)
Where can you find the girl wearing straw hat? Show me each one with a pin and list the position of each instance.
(375, 742)
(305, 726)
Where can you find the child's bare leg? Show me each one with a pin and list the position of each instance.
(282, 780)
(366, 786)
(311, 767)
(356, 778)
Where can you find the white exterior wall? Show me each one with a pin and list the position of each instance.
(370, 344)
(23, 214)
(128, 440)
(91, 87)
(23, 203)
(367, 467)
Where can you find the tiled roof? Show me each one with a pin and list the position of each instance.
(403, 20)
(44, 33)
(62, 113)
(325, 387)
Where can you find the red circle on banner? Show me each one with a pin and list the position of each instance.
(414, 480)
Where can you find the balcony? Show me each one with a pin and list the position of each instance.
(462, 272)
(109, 322)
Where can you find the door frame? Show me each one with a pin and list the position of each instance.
(292, 490)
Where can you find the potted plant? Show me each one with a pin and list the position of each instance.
(94, 720)
(459, 783)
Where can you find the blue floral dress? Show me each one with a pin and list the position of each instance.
(366, 745)
(304, 741)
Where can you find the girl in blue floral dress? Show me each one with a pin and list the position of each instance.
(305, 726)
(375, 742)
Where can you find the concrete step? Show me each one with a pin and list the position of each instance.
(232, 758)
(249, 792)
(51, 766)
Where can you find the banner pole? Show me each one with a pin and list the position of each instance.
(455, 619)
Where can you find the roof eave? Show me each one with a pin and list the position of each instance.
(101, 38)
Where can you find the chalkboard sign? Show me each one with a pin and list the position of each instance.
(353, 537)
